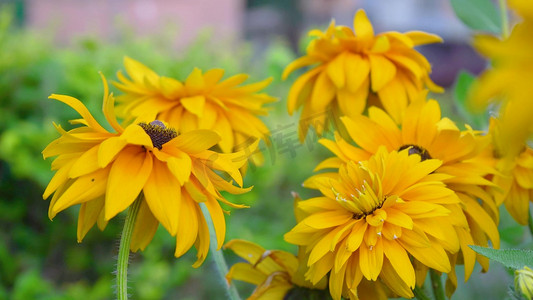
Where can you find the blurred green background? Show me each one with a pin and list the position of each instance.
(40, 259)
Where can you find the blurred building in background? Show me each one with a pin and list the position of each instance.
(257, 21)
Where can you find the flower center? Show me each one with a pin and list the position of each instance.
(158, 133)
(365, 201)
(414, 149)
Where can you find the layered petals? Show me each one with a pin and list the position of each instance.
(202, 101)
(374, 217)
(167, 174)
(347, 66)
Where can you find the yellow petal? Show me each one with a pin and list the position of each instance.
(188, 225)
(194, 104)
(139, 72)
(394, 99)
(163, 195)
(422, 38)
(396, 283)
(223, 127)
(245, 272)
(381, 45)
(213, 76)
(249, 251)
(371, 259)
(357, 69)
(170, 87)
(109, 149)
(144, 229)
(382, 71)
(195, 81)
(81, 109)
(195, 191)
(60, 177)
(352, 104)
(362, 26)
(336, 281)
(323, 92)
(108, 107)
(232, 81)
(356, 236)
(135, 134)
(297, 64)
(323, 245)
(180, 165)
(400, 261)
(298, 86)
(481, 217)
(86, 163)
(88, 215)
(127, 177)
(433, 256)
(335, 71)
(196, 141)
(217, 216)
(84, 188)
(328, 219)
(202, 241)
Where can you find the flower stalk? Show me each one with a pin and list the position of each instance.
(124, 249)
(530, 223)
(436, 284)
(218, 257)
(420, 293)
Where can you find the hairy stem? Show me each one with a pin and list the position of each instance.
(218, 257)
(124, 250)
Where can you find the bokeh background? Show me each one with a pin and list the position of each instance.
(58, 46)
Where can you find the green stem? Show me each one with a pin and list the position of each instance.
(530, 222)
(124, 250)
(420, 293)
(218, 257)
(505, 20)
(436, 284)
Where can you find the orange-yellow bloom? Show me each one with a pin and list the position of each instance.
(425, 133)
(354, 69)
(277, 274)
(171, 173)
(374, 217)
(508, 82)
(515, 185)
(202, 101)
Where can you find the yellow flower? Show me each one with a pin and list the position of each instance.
(202, 101)
(523, 282)
(508, 82)
(277, 274)
(424, 132)
(515, 185)
(372, 217)
(106, 171)
(351, 66)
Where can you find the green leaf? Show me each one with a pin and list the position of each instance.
(511, 258)
(460, 92)
(478, 14)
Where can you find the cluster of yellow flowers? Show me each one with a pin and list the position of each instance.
(405, 193)
(146, 157)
